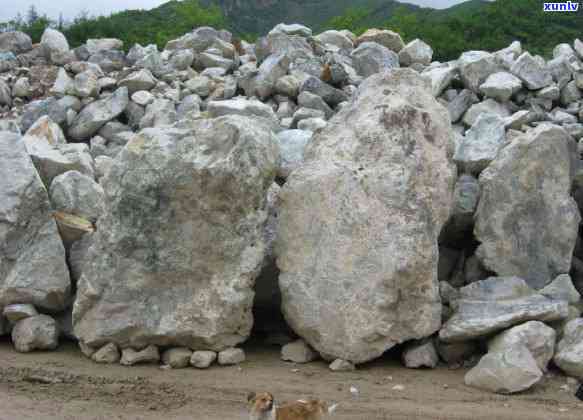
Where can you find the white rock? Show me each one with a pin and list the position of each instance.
(232, 356)
(501, 86)
(39, 332)
(203, 359)
(298, 352)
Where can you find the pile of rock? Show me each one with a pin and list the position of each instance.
(381, 197)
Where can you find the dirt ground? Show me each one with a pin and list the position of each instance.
(64, 385)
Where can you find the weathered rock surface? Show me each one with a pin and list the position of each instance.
(77, 194)
(340, 365)
(371, 58)
(416, 52)
(562, 288)
(108, 354)
(501, 86)
(505, 372)
(52, 155)
(420, 354)
(388, 39)
(18, 311)
(298, 352)
(32, 257)
(531, 72)
(231, 356)
(292, 144)
(569, 355)
(181, 241)
(203, 359)
(130, 357)
(475, 67)
(491, 305)
(537, 337)
(177, 358)
(533, 234)
(339, 291)
(97, 114)
(481, 144)
(39, 332)
(15, 42)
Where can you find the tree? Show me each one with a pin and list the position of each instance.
(61, 24)
(32, 15)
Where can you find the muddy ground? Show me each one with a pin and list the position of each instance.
(64, 385)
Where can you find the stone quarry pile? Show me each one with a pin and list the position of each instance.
(152, 201)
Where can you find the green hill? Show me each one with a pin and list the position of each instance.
(475, 24)
(259, 16)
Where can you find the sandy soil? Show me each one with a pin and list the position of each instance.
(64, 385)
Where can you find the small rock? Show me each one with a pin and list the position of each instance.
(232, 356)
(16, 312)
(148, 355)
(203, 359)
(107, 354)
(85, 349)
(298, 352)
(39, 332)
(420, 354)
(177, 358)
(340, 365)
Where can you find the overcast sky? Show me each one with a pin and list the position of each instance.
(71, 8)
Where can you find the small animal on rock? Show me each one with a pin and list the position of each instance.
(262, 406)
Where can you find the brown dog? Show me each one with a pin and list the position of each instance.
(262, 407)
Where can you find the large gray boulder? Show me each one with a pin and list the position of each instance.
(292, 29)
(569, 355)
(243, 107)
(77, 194)
(501, 86)
(536, 336)
(138, 80)
(15, 42)
(416, 52)
(335, 38)
(377, 181)
(384, 37)
(440, 77)
(494, 304)
(481, 144)
(52, 155)
(475, 67)
(272, 69)
(54, 46)
(198, 40)
(489, 106)
(371, 58)
(50, 107)
(181, 240)
(97, 114)
(32, 256)
(532, 234)
(532, 72)
(505, 372)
